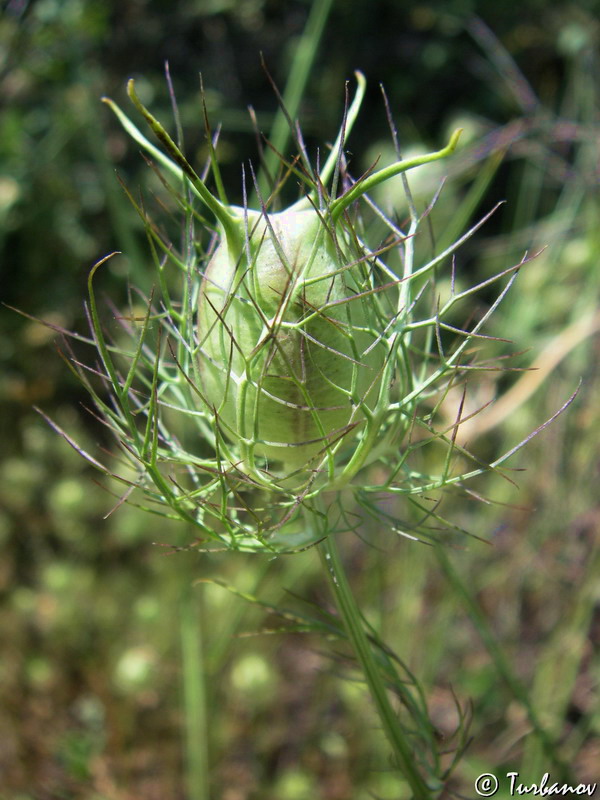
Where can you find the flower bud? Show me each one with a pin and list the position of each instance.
(291, 362)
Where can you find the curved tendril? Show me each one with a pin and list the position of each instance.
(338, 206)
(177, 164)
(343, 133)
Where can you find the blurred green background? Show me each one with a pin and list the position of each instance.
(100, 628)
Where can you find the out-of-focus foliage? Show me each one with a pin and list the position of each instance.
(90, 610)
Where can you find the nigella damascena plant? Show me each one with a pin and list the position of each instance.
(293, 354)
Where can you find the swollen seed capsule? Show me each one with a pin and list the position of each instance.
(296, 354)
(288, 330)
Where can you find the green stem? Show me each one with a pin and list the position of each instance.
(353, 624)
(194, 697)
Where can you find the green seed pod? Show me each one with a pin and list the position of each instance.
(289, 362)
(291, 358)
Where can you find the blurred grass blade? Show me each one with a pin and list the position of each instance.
(502, 664)
(302, 64)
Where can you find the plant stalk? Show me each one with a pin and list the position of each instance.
(194, 697)
(353, 623)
